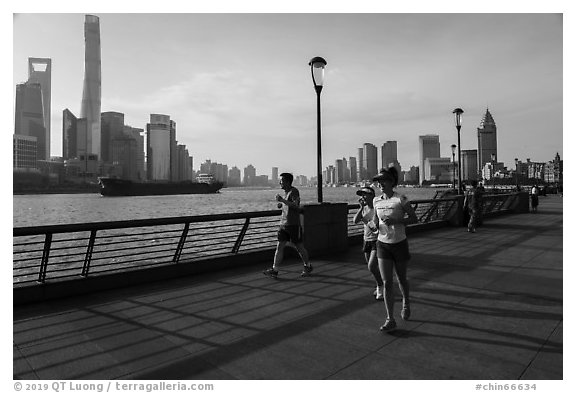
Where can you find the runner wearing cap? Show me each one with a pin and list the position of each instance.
(393, 212)
(366, 215)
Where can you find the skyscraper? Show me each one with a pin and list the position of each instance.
(469, 165)
(29, 116)
(69, 135)
(487, 141)
(353, 169)
(158, 147)
(360, 164)
(370, 158)
(112, 127)
(390, 154)
(40, 71)
(92, 91)
(429, 147)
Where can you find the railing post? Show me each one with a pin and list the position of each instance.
(241, 236)
(45, 255)
(181, 243)
(89, 251)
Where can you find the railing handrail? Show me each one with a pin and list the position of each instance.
(122, 224)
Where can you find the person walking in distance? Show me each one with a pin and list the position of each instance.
(472, 202)
(366, 215)
(534, 198)
(393, 212)
(290, 230)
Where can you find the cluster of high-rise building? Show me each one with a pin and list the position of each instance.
(477, 164)
(101, 144)
(96, 143)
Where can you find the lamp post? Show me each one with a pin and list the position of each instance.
(458, 119)
(492, 159)
(317, 65)
(516, 171)
(453, 166)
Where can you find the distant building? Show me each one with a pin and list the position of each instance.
(249, 175)
(112, 124)
(370, 161)
(92, 91)
(69, 135)
(487, 140)
(438, 169)
(158, 147)
(390, 155)
(553, 171)
(234, 177)
(25, 153)
(275, 179)
(40, 71)
(138, 135)
(469, 165)
(29, 116)
(412, 176)
(353, 169)
(360, 164)
(428, 147)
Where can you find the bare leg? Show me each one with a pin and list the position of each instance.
(387, 268)
(303, 253)
(279, 254)
(372, 261)
(401, 274)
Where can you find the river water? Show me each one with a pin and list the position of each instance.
(52, 209)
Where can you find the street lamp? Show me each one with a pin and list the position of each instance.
(453, 167)
(317, 65)
(458, 119)
(492, 159)
(516, 161)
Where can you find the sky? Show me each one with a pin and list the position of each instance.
(239, 88)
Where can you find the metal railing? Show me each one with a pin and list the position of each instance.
(79, 250)
(57, 252)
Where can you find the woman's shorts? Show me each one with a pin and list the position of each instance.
(369, 246)
(290, 233)
(395, 251)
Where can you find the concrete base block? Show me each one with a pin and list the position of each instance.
(325, 228)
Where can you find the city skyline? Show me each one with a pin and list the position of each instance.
(241, 88)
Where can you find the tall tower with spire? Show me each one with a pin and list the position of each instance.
(487, 140)
(92, 93)
(40, 71)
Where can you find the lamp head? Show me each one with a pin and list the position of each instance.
(458, 117)
(317, 65)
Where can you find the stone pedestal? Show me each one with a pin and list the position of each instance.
(325, 228)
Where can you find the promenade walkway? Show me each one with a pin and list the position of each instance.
(484, 306)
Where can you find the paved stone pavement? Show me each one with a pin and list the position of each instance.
(484, 306)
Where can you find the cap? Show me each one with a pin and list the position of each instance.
(365, 190)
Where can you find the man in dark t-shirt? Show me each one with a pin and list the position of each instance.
(290, 230)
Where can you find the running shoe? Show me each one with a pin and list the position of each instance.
(307, 271)
(388, 326)
(271, 273)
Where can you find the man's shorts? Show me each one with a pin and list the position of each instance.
(395, 251)
(290, 233)
(369, 246)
